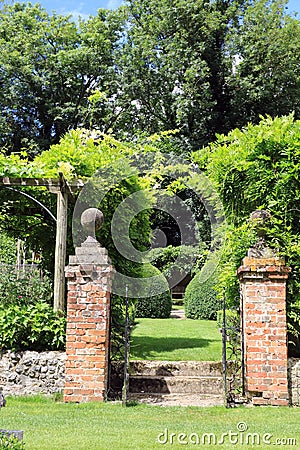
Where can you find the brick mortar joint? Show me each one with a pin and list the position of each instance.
(254, 275)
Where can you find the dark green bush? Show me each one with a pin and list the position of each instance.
(201, 300)
(155, 306)
(31, 327)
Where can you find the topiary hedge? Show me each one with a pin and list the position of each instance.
(201, 300)
(155, 306)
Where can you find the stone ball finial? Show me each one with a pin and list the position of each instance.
(260, 219)
(260, 215)
(92, 220)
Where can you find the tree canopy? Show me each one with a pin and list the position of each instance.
(199, 67)
(258, 167)
(77, 97)
(49, 67)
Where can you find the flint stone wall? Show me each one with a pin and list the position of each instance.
(294, 381)
(27, 373)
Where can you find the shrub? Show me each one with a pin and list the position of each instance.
(10, 442)
(23, 288)
(31, 327)
(155, 306)
(201, 300)
(8, 248)
(183, 259)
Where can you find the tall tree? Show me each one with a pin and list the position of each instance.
(265, 50)
(49, 67)
(200, 66)
(204, 67)
(173, 67)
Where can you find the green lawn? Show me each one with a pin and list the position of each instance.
(56, 426)
(176, 340)
(174, 306)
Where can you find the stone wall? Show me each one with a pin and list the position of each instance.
(294, 381)
(26, 373)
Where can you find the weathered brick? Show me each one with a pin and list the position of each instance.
(263, 285)
(87, 341)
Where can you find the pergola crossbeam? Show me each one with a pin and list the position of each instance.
(53, 184)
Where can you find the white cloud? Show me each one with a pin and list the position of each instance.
(114, 4)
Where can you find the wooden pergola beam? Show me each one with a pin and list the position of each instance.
(53, 184)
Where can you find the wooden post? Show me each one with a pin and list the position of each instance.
(60, 248)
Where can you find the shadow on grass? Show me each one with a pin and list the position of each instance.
(144, 346)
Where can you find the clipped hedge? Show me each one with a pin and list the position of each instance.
(154, 306)
(201, 300)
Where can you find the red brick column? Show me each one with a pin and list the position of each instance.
(89, 276)
(263, 283)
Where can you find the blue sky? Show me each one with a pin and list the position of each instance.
(294, 5)
(90, 7)
(78, 7)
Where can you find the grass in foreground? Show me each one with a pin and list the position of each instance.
(95, 426)
(176, 340)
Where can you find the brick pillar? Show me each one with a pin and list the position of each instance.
(89, 276)
(263, 284)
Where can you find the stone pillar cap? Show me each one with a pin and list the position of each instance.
(90, 251)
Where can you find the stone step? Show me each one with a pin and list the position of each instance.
(178, 399)
(175, 384)
(171, 368)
